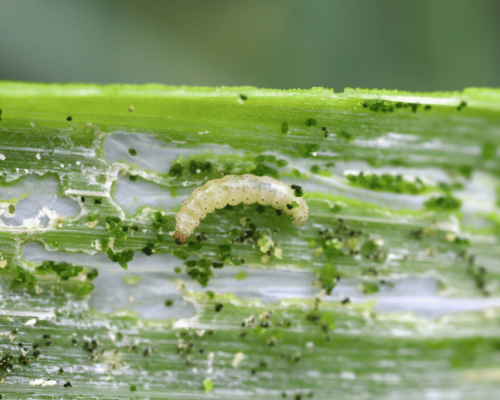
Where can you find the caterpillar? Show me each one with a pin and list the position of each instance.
(233, 190)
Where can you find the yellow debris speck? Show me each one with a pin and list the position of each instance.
(450, 236)
(132, 280)
(180, 284)
(92, 224)
(431, 251)
(278, 253)
(238, 358)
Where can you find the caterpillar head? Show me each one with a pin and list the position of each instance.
(180, 238)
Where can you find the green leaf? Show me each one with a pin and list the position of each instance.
(373, 154)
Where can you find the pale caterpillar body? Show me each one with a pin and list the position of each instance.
(233, 190)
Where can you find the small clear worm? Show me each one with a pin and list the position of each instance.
(233, 190)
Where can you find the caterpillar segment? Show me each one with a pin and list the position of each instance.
(233, 190)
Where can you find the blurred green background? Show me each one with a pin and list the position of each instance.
(413, 45)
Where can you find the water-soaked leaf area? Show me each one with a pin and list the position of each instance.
(390, 291)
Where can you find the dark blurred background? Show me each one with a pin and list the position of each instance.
(388, 44)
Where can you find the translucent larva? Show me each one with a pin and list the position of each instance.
(233, 190)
